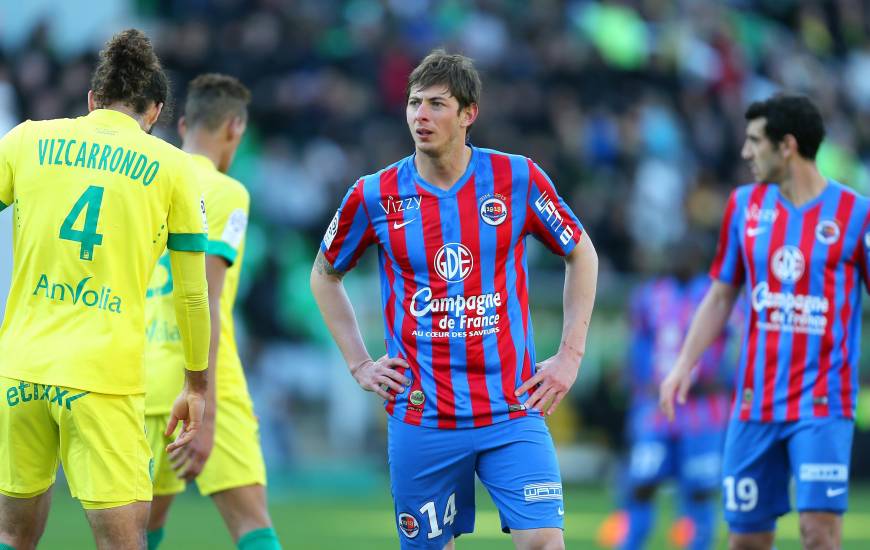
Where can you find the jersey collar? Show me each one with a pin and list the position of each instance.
(110, 117)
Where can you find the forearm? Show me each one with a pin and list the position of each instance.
(581, 277)
(709, 322)
(337, 312)
(190, 291)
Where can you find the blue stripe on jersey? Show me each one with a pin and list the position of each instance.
(485, 185)
(451, 232)
(519, 203)
(414, 240)
(762, 253)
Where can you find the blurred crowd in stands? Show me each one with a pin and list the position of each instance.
(634, 107)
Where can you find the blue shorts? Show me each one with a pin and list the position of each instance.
(694, 460)
(761, 458)
(432, 478)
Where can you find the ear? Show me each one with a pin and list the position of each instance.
(788, 146)
(468, 115)
(151, 115)
(235, 128)
(182, 126)
(91, 103)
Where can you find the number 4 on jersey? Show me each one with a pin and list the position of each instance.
(87, 236)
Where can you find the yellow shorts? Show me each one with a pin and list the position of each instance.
(235, 461)
(165, 480)
(99, 439)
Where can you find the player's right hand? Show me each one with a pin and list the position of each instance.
(382, 377)
(676, 384)
(189, 408)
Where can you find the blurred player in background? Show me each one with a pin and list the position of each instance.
(689, 449)
(97, 200)
(461, 384)
(225, 457)
(800, 244)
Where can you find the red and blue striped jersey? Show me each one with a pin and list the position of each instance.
(454, 279)
(660, 313)
(802, 267)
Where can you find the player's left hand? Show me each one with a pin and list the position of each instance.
(552, 381)
(188, 461)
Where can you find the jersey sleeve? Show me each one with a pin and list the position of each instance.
(548, 218)
(188, 229)
(227, 224)
(9, 149)
(350, 232)
(728, 264)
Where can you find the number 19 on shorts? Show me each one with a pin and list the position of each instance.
(741, 495)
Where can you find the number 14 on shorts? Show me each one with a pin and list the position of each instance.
(409, 526)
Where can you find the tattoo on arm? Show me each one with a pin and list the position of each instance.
(323, 267)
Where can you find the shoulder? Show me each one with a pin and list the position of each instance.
(371, 182)
(862, 202)
(221, 187)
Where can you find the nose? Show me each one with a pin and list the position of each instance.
(746, 152)
(422, 112)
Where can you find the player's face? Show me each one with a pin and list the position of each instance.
(435, 120)
(765, 159)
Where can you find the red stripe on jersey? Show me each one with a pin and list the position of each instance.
(821, 406)
(522, 290)
(771, 340)
(433, 240)
(724, 245)
(507, 353)
(799, 339)
(749, 372)
(345, 221)
(399, 248)
(475, 362)
(541, 182)
(861, 255)
(846, 369)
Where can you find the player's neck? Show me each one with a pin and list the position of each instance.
(201, 143)
(803, 183)
(444, 170)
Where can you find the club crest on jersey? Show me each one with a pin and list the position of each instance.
(417, 398)
(453, 262)
(493, 210)
(788, 264)
(392, 205)
(408, 524)
(827, 231)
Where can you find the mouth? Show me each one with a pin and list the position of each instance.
(423, 133)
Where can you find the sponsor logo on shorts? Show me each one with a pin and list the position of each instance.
(542, 491)
(824, 472)
(408, 524)
(25, 392)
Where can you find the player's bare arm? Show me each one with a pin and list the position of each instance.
(378, 376)
(189, 461)
(707, 325)
(556, 375)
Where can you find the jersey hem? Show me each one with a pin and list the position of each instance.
(187, 242)
(222, 249)
(497, 419)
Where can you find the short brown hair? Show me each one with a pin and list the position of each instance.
(212, 98)
(455, 71)
(130, 72)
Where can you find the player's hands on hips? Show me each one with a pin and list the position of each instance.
(189, 408)
(188, 461)
(381, 376)
(675, 385)
(551, 382)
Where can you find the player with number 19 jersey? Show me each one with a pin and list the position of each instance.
(454, 279)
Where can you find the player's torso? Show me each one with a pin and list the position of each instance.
(164, 354)
(91, 203)
(803, 287)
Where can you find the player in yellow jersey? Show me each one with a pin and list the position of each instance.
(225, 457)
(96, 201)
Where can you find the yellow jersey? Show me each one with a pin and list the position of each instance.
(226, 205)
(96, 201)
